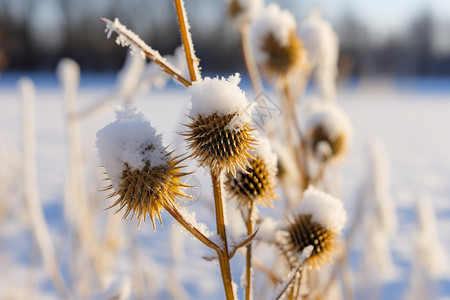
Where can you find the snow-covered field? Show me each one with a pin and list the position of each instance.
(414, 126)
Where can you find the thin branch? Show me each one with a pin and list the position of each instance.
(243, 243)
(192, 61)
(249, 59)
(128, 38)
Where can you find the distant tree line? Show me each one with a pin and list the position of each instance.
(81, 37)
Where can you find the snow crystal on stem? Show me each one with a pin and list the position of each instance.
(128, 38)
(130, 140)
(220, 96)
(324, 209)
(191, 218)
(271, 20)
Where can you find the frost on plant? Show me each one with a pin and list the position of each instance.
(277, 48)
(220, 132)
(143, 174)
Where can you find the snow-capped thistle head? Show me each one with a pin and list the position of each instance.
(257, 183)
(142, 173)
(277, 48)
(318, 221)
(241, 11)
(320, 40)
(327, 132)
(220, 132)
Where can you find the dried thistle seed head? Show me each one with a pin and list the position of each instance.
(220, 133)
(142, 173)
(325, 146)
(317, 221)
(304, 232)
(277, 49)
(282, 59)
(257, 183)
(327, 132)
(148, 190)
(216, 146)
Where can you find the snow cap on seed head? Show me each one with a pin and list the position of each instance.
(124, 141)
(219, 134)
(317, 221)
(276, 47)
(143, 174)
(327, 130)
(325, 209)
(220, 96)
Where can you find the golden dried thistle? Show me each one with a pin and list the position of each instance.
(148, 190)
(217, 146)
(327, 133)
(317, 221)
(219, 134)
(144, 176)
(319, 138)
(282, 59)
(304, 232)
(256, 184)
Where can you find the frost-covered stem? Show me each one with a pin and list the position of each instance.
(38, 223)
(224, 259)
(249, 59)
(300, 148)
(248, 269)
(295, 272)
(156, 59)
(187, 42)
(189, 227)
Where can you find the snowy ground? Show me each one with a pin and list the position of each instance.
(414, 125)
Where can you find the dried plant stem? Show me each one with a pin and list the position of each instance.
(248, 268)
(224, 258)
(300, 148)
(253, 73)
(155, 58)
(249, 59)
(188, 47)
(38, 223)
